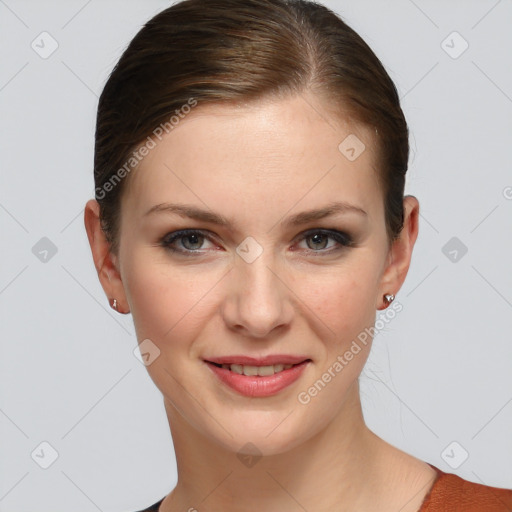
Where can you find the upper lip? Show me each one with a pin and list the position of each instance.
(258, 361)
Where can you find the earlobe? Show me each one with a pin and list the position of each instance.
(115, 305)
(104, 260)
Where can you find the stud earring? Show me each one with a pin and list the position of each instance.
(389, 298)
(114, 305)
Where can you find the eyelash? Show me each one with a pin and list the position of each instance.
(344, 240)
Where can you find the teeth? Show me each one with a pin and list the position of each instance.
(266, 370)
(262, 371)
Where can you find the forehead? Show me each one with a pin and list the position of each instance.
(275, 151)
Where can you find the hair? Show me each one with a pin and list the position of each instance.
(230, 51)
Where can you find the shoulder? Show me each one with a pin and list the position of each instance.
(451, 493)
(154, 507)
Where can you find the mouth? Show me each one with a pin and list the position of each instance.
(258, 380)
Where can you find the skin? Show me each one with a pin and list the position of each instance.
(257, 164)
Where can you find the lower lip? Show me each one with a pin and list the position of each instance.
(255, 386)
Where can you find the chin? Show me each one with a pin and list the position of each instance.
(263, 438)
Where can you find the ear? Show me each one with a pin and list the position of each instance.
(105, 262)
(400, 252)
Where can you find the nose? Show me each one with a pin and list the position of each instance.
(258, 299)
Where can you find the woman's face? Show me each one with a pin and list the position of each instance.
(260, 284)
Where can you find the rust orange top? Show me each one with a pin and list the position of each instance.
(451, 493)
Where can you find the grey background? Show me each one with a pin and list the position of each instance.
(439, 373)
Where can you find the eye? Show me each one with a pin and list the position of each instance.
(320, 237)
(192, 240)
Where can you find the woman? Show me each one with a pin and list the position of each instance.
(250, 164)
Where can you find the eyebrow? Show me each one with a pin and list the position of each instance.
(193, 212)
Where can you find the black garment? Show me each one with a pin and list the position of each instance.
(153, 508)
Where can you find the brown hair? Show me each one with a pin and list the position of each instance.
(241, 50)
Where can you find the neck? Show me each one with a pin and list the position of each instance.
(335, 466)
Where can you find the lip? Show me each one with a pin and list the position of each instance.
(256, 386)
(258, 361)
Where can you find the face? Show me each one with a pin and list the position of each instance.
(265, 282)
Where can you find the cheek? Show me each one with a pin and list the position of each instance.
(166, 306)
(165, 301)
(342, 300)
